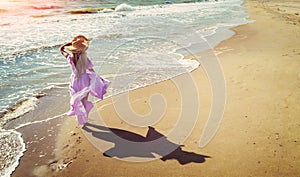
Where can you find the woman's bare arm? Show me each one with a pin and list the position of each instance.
(62, 49)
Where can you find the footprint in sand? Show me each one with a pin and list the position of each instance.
(240, 84)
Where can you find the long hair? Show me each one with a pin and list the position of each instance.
(81, 63)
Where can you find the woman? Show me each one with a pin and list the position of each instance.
(83, 79)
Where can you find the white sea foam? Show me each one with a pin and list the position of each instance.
(40, 121)
(124, 7)
(13, 147)
(189, 64)
(56, 85)
(24, 107)
(11, 150)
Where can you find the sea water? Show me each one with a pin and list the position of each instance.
(133, 43)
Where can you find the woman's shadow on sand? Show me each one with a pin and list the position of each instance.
(129, 144)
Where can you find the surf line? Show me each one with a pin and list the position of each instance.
(11, 169)
(40, 121)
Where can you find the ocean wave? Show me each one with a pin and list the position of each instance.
(56, 85)
(11, 54)
(41, 15)
(40, 121)
(20, 108)
(108, 36)
(26, 104)
(189, 64)
(11, 150)
(54, 65)
(140, 11)
(45, 7)
(85, 11)
(119, 8)
(124, 7)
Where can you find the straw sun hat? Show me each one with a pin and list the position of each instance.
(79, 44)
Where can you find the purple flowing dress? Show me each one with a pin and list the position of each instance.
(88, 82)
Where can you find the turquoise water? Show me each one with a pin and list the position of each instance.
(145, 37)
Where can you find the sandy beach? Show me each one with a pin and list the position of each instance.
(260, 131)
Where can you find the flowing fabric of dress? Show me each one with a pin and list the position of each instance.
(87, 82)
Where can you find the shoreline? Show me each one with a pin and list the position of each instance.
(258, 149)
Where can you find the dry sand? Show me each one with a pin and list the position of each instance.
(260, 131)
